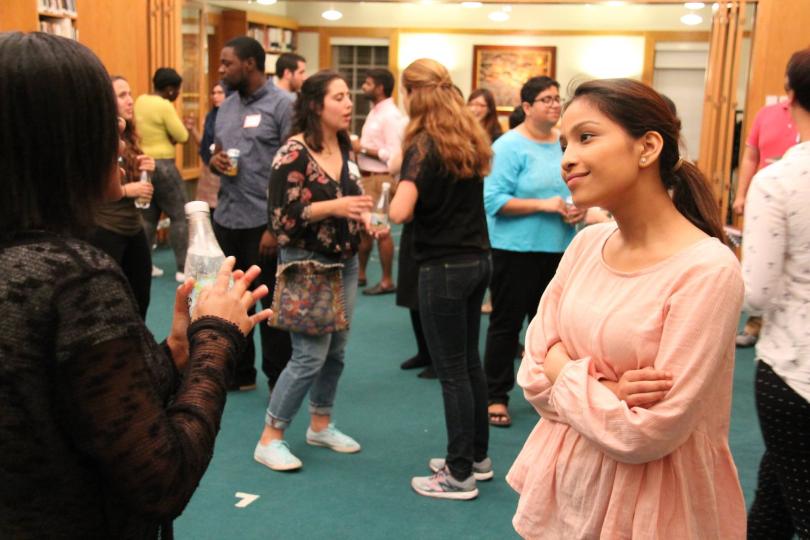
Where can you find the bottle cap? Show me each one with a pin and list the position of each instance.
(197, 206)
(386, 185)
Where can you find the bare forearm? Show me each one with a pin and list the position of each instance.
(748, 168)
(521, 207)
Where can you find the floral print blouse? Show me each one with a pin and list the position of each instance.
(296, 182)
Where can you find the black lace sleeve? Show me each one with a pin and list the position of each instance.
(152, 454)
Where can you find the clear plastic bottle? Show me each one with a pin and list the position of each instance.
(143, 202)
(204, 256)
(379, 215)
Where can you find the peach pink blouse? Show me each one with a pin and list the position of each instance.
(594, 468)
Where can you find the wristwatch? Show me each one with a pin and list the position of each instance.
(363, 151)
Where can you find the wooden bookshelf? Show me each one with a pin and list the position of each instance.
(58, 17)
(276, 34)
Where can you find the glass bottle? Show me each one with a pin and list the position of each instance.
(204, 257)
(143, 202)
(379, 215)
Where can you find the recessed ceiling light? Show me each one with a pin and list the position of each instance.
(691, 19)
(266, 2)
(471, 5)
(332, 15)
(694, 5)
(499, 16)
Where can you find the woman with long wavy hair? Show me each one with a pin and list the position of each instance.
(446, 156)
(119, 228)
(482, 104)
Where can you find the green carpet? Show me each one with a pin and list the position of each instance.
(398, 420)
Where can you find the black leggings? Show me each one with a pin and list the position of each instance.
(782, 504)
(133, 255)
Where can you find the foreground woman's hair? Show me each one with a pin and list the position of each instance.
(58, 136)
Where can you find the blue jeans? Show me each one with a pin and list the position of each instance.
(317, 361)
(450, 295)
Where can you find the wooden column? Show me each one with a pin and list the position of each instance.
(717, 133)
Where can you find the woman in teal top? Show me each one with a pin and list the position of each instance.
(530, 226)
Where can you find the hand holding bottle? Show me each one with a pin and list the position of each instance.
(232, 302)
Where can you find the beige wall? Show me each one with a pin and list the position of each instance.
(577, 56)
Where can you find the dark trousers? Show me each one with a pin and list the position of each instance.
(450, 295)
(518, 282)
(276, 348)
(169, 197)
(422, 348)
(781, 506)
(133, 255)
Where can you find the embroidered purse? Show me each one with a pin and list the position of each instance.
(309, 298)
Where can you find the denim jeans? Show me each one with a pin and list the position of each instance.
(450, 295)
(317, 361)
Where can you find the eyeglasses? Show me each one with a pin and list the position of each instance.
(548, 100)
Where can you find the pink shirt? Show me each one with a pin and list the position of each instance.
(595, 468)
(773, 133)
(382, 132)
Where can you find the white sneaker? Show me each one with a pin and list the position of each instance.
(334, 439)
(179, 277)
(156, 272)
(482, 470)
(276, 456)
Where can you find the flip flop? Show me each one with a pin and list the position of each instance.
(499, 419)
(378, 289)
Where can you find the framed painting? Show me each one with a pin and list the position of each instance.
(503, 69)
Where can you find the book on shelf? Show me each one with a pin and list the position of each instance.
(57, 7)
(59, 27)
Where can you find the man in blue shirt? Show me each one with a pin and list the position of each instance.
(255, 120)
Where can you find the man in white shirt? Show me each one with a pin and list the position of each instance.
(380, 140)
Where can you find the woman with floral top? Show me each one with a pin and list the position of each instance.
(315, 209)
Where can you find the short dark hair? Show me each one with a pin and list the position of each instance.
(382, 77)
(309, 107)
(288, 62)
(165, 77)
(516, 117)
(57, 148)
(246, 47)
(534, 86)
(798, 77)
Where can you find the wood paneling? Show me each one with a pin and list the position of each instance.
(781, 28)
(19, 15)
(717, 133)
(116, 32)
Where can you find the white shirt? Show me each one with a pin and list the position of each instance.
(776, 264)
(382, 132)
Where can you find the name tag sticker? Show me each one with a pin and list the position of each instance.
(354, 170)
(252, 121)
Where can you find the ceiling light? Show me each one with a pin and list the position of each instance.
(691, 19)
(499, 16)
(332, 14)
(266, 2)
(471, 5)
(694, 5)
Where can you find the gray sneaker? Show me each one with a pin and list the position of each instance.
(334, 439)
(745, 340)
(442, 485)
(482, 470)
